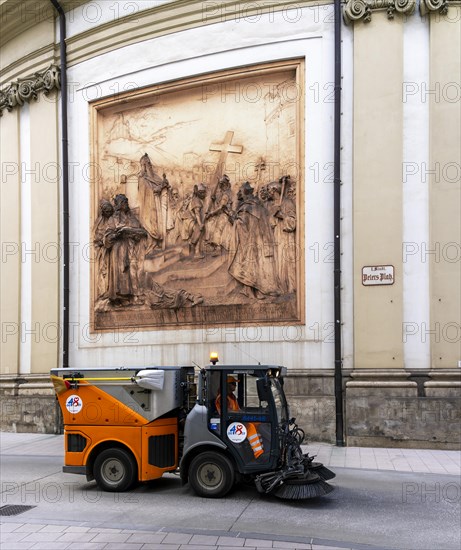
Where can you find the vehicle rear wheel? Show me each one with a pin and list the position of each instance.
(211, 475)
(115, 470)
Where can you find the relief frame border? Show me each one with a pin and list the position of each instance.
(142, 96)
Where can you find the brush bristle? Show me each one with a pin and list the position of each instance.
(322, 471)
(300, 492)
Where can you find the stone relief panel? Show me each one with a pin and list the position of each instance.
(196, 194)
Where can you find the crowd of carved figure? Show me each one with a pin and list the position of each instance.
(255, 231)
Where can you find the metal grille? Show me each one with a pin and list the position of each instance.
(14, 509)
(76, 443)
(162, 451)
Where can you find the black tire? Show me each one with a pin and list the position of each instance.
(211, 475)
(115, 470)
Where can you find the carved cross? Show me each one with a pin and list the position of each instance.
(225, 148)
(259, 168)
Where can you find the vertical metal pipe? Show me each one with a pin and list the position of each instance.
(337, 231)
(65, 183)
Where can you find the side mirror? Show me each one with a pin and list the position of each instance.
(202, 388)
(263, 389)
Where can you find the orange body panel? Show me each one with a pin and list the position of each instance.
(128, 436)
(166, 426)
(134, 438)
(100, 418)
(94, 406)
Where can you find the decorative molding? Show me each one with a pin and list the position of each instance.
(24, 89)
(437, 6)
(174, 17)
(18, 16)
(29, 64)
(356, 10)
(428, 6)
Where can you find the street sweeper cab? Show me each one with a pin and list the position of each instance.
(222, 425)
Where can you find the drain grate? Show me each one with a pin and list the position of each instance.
(14, 509)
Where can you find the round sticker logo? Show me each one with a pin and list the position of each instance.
(74, 404)
(236, 432)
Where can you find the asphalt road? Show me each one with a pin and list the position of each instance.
(386, 510)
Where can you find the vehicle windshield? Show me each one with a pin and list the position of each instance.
(279, 400)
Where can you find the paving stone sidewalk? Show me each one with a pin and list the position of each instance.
(15, 535)
(426, 461)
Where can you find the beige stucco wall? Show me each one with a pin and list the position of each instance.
(445, 188)
(10, 229)
(28, 51)
(42, 253)
(377, 189)
(378, 396)
(378, 130)
(378, 121)
(45, 233)
(34, 345)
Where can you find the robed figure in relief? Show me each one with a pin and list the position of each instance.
(283, 221)
(126, 253)
(218, 227)
(153, 200)
(104, 233)
(252, 260)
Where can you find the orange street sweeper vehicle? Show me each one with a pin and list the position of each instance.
(225, 424)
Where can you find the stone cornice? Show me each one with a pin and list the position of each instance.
(168, 18)
(437, 6)
(29, 64)
(16, 16)
(357, 10)
(129, 28)
(24, 89)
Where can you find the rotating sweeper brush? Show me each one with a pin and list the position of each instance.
(308, 486)
(300, 477)
(318, 468)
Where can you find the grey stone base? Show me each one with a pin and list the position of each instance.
(28, 404)
(394, 408)
(385, 408)
(312, 402)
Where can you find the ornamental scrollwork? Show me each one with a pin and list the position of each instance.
(356, 10)
(24, 90)
(437, 6)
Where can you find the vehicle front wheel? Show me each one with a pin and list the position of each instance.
(115, 470)
(211, 475)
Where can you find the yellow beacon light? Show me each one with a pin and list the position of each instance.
(214, 357)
